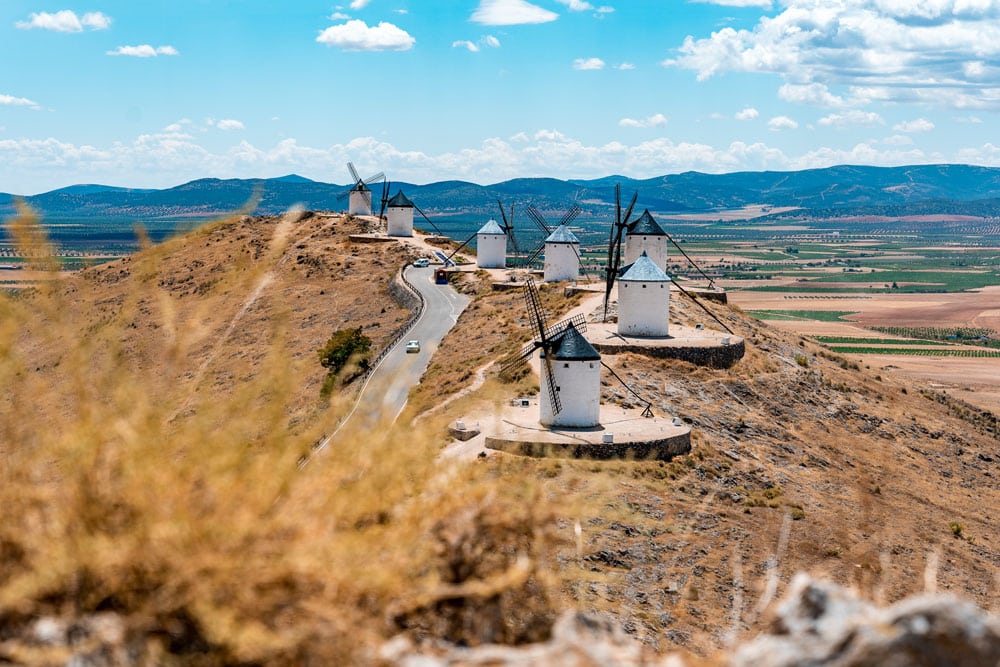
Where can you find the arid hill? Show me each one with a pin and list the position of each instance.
(170, 498)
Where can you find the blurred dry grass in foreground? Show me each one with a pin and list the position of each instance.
(187, 517)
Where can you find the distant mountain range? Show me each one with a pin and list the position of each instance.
(843, 190)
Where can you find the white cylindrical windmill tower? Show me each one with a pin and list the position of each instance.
(399, 215)
(646, 236)
(360, 201)
(644, 300)
(491, 246)
(562, 255)
(572, 368)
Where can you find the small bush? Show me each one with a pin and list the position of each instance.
(802, 360)
(347, 350)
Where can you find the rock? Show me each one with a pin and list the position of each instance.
(820, 623)
(579, 639)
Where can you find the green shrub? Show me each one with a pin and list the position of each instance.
(345, 356)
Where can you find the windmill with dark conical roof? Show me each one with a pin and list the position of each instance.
(399, 215)
(644, 235)
(359, 196)
(570, 368)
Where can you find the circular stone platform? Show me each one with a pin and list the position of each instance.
(515, 430)
(702, 347)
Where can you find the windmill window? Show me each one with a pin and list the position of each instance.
(558, 388)
(565, 365)
(643, 287)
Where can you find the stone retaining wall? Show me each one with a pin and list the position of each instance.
(651, 450)
(716, 356)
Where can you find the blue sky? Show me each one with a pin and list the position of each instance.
(156, 93)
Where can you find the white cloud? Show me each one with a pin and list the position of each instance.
(487, 40)
(765, 4)
(576, 5)
(357, 36)
(916, 125)
(748, 113)
(359, 4)
(144, 51)
(656, 120)
(852, 117)
(782, 123)
(229, 124)
(510, 12)
(11, 101)
(934, 52)
(625, 67)
(168, 158)
(340, 16)
(816, 94)
(976, 120)
(65, 21)
(605, 10)
(588, 63)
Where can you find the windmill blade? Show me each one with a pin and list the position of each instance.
(534, 305)
(538, 219)
(553, 394)
(701, 305)
(366, 195)
(386, 186)
(534, 255)
(514, 361)
(455, 251)
(354, 174)
(711, 282)
(579, 260)
(424, 216)
(628, 211)
(344, 195)
(648, 410)
(508, 227)
(371, 179)
(578, 322)
(570, 215)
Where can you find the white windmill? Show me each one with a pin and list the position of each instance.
(561, 246)
(399, 215)
(645, 235)
(360, 195)
(644, 300)
(570, 369)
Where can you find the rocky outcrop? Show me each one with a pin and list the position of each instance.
(818, 623)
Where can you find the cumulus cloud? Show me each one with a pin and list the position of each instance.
(576, 5)
(65, 20)
(916, 125)
(356, 35)
(747, 114)
(340, 16)
(588, 63)
(167, 158)
(782, 123)
(144, 51)
(934, 51)
(359, 4)
(11, 101)
(852, 117)
(510, 12)
(625, 66)
(656, 120)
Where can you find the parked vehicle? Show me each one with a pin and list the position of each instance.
(421, 263)
(412, 346)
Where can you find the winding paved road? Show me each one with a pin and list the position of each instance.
(385, 392)
(399, 371)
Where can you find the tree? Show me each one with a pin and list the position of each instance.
(349, 351)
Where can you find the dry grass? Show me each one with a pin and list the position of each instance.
(130, 485)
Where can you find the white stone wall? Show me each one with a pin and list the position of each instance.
(399, 220)
(654, 246)
(562, 262)
(491, 251)
(579, 387)
(643, 308)
(360, 203)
